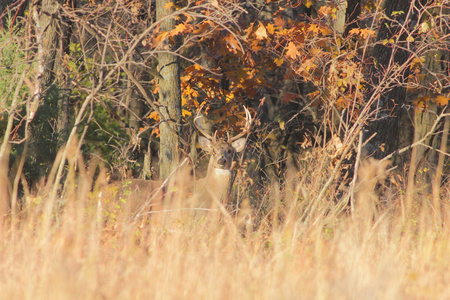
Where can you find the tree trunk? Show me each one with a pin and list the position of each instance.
(49, 129)
(392, 96)
(351, 15)
(169, 97)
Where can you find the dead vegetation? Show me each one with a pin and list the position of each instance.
(291, 245)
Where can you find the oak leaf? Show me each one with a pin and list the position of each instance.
(292, 51)
(202, 27)
(441, 100)
(178, 29)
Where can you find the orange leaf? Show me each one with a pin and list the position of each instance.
(159, 38)
(155, 131)
(292, 51)
(366, 33)
(325, 10)
(442, 100)
(169, 5)
(270, 28)
(154, 115)
(179, 28)
(261, 32)
(202, 27)
(355, 31)
(232, 43)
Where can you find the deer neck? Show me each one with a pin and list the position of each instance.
(219, 180)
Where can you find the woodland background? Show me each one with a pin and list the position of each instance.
(342, 191)
(126, 78)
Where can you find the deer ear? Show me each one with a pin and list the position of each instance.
(204, 143)
(239, 144)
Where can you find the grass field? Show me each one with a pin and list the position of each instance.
(294, 246)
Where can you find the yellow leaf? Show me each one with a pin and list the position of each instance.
(261, 32)
(308, 3)
(169, 5)
(410, 39)
(442, 100)
(424, 27)
(229, 97)
(313, 28)
(186, 112)
(270, 28)
(278, 61)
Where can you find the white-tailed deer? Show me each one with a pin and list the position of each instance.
(216, 186)
(130, 196)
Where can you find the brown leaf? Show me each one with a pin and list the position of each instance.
(288, 97)
(202, 27)
(232, 43)
(279, 21)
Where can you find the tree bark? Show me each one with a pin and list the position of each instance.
(169, 96)
(389, 103)
(49, 129)
(351, 15)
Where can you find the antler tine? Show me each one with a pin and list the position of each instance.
(199, 127)
(248, 125)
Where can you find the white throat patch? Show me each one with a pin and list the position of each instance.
(221, 172)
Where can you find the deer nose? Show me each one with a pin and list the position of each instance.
(222, 161)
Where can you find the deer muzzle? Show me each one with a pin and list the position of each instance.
(222, 161)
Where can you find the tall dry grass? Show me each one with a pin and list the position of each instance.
(290, 246)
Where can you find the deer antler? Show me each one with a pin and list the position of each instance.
(199, 127)
(248, 125)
